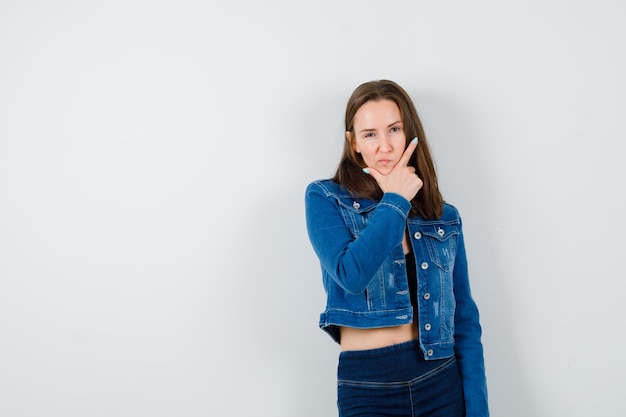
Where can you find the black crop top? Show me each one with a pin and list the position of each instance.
(411, 274)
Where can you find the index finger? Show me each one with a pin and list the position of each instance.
(406, 156)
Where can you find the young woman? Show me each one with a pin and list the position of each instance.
(394, 270)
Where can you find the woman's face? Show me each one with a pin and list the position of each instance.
(379, 134)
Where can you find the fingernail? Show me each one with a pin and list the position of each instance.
(366, 170)
(415, 139)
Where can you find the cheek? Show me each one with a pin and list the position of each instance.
(369, 157)
(400, 145)
(361, 147)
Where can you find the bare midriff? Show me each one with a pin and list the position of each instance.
(362, 339)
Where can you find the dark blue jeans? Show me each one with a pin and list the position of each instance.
(397, 381)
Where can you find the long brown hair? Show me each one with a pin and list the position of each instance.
(428, 203)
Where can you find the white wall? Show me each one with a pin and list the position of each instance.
(153, 159)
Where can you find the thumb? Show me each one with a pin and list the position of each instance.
(374, 173)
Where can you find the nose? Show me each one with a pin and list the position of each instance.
(385, 144)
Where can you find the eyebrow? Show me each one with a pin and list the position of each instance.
(373, 130)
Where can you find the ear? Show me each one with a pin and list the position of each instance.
(355, 147)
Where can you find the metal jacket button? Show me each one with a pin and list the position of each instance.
(356, 205)
(424, 265)
(417, 235)
(440, 232)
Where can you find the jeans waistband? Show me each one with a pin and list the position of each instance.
(395, 363)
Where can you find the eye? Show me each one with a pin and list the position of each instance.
(369, 135)
(396, 129)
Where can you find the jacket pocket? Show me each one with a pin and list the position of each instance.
(440, 242)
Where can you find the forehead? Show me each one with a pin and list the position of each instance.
(377, 112)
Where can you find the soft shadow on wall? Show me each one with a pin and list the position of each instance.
(293, 362)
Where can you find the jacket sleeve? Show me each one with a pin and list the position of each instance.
(467, 339)
(352, 262)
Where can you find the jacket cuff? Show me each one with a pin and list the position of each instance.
(396, 202)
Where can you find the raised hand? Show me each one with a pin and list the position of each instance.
(402, 178)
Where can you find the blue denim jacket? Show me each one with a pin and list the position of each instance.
(358, 243)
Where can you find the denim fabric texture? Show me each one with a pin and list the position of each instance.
(398, 381)
(358, 243)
